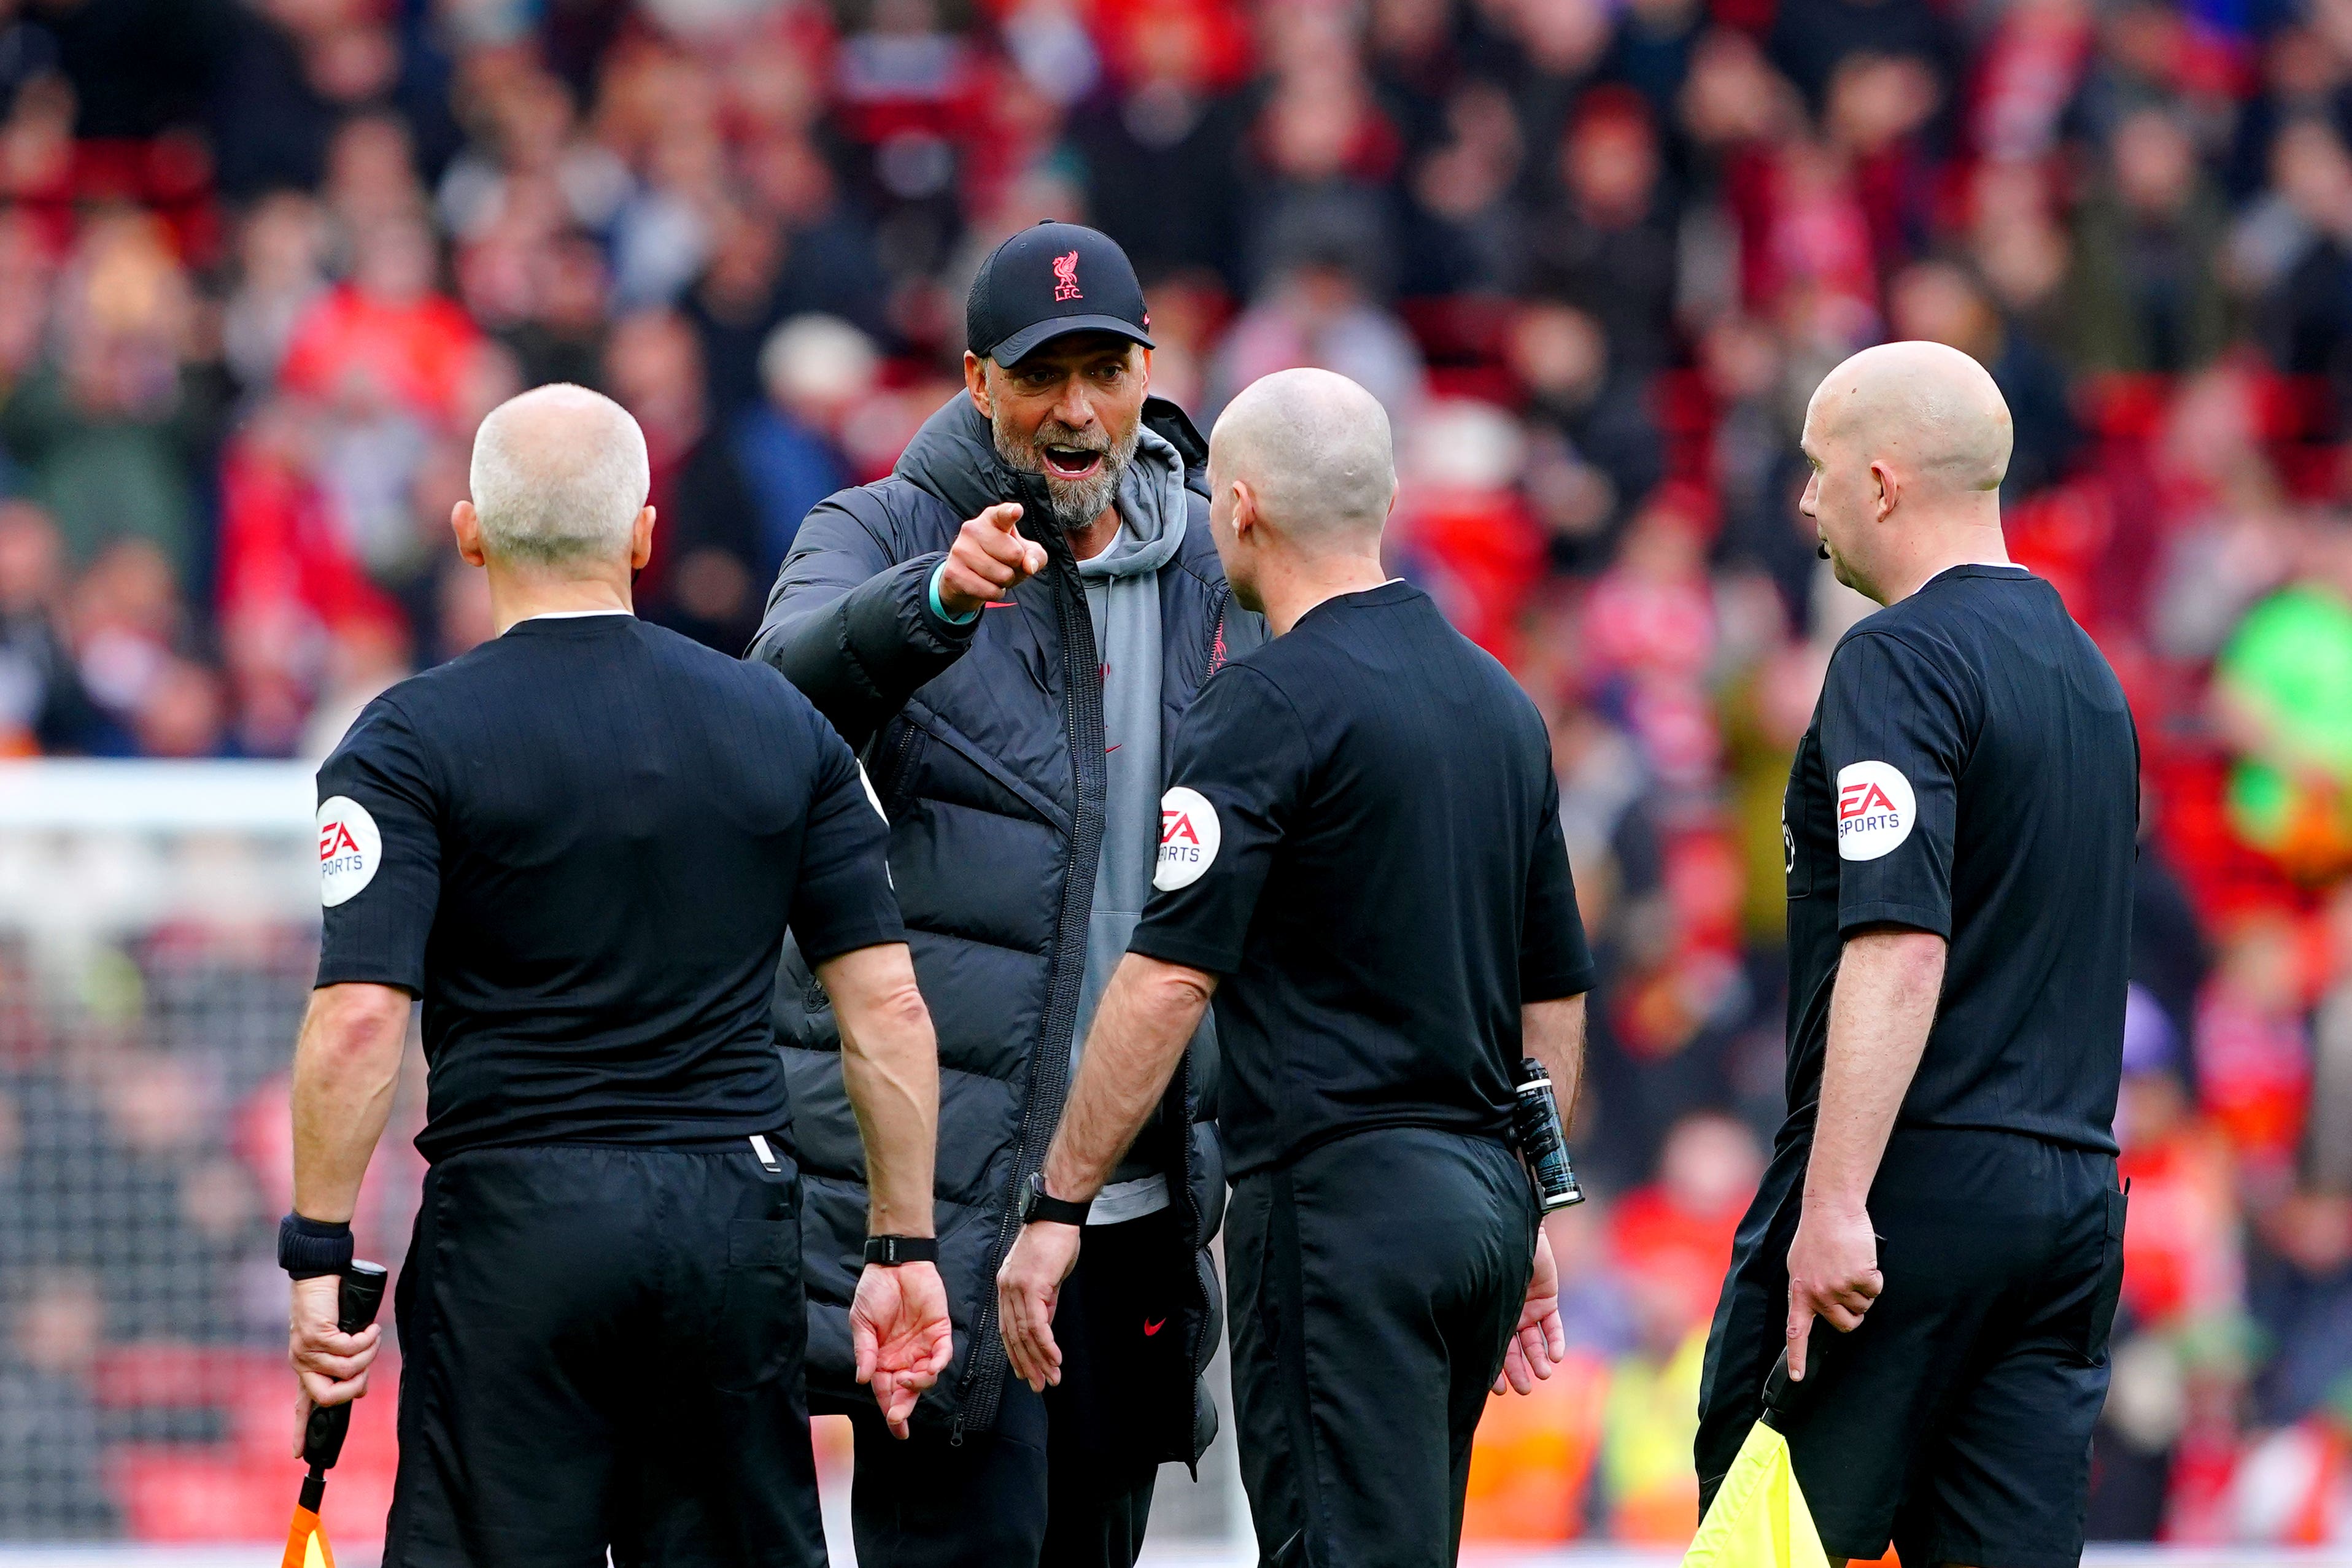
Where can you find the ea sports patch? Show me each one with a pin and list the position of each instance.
(1189, 836)
(1876, 809)
(349, 849)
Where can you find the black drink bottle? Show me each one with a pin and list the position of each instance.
(1534, 1119)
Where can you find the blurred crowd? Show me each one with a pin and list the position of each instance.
(264, 264)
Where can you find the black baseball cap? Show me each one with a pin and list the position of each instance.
(1047, 281)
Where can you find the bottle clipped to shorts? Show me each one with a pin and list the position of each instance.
(1534, 1120)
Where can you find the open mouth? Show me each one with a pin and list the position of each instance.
(1070, 461)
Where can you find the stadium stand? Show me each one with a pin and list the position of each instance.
(264, 263)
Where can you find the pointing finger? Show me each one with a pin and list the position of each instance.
(1005, 515)
(1801, 1324)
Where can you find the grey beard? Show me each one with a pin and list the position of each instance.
(1076, 502)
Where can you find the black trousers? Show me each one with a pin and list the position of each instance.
(1065, 1480)
(601, 1348)
(1957, 1420)
(1374, 1283)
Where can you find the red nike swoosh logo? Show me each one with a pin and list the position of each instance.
(1107, 751)
(1150, 1329)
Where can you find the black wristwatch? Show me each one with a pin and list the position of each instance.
(1037, 1204)
(892, 1251)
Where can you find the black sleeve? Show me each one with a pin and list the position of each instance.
(850, 625)
(842, 900)
(1895, 738)
(1241, 773)
(379, 853)
(1554, 959)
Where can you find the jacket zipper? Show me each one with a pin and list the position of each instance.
(1049, 1064)
(983, 1383)
(897, 785)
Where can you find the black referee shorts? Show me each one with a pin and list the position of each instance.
(1374, 1283)
(1957, 1420)
(601, 1347)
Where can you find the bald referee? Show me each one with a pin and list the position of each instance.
(1362, 860)
(580, 844)
(1958, 826)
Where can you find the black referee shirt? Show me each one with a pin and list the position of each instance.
(579, 843)
(1363, 839)
(1972, 770)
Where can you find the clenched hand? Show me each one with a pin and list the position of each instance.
(330, 1367)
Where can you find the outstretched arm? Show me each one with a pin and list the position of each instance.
(857, 630)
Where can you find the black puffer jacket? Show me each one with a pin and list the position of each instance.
(984, 744)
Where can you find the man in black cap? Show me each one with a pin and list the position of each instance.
(1007, 629)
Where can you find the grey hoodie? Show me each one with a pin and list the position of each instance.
(1123, 599)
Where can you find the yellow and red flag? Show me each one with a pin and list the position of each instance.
(306, 1542)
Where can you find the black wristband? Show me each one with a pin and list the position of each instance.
(1037, 1204)
(892, 1251)
(310, 1248)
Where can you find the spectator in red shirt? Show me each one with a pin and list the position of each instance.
(388, 322)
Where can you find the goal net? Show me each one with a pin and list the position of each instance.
(159, 929)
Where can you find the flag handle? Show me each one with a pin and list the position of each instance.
(360, 1294)
(322, 1440)
(1783, 1397)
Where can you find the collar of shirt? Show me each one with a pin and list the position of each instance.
(1999, 573)
(566, 615)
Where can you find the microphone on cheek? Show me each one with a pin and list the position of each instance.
(1822, 548)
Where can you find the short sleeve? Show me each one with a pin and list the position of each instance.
(1241, 772)
(1555, 961)
(1895, 737)
(842, 900)
(379, 853)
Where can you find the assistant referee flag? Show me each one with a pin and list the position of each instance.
(306, 1542)
(1759, 1518)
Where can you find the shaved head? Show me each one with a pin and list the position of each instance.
(1929, 412)
(1908, 444)
(560, 474)
(1314, 449)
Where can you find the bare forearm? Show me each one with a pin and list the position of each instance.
(1148, 1015)
(1553, 1033)
(1887, 986)
(346, 1063)
(890, 1066)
